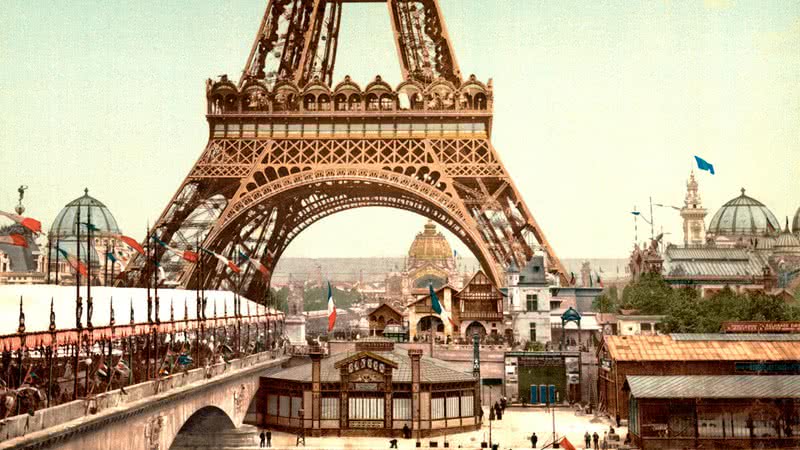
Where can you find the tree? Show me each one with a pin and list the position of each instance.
(648, 295)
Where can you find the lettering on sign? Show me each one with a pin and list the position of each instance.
(366, 363)
(539, 361)
(761, 327)
(365, 386)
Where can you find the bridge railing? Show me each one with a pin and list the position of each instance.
(50, 418)
(42, 369)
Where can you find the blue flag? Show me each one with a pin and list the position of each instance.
(435, 300)
(702, 164)
(111, 256)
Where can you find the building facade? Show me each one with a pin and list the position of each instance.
(529, 301)
(374, 391)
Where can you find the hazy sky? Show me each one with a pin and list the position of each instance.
(598, 105)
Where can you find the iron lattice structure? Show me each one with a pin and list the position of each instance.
(288, 148)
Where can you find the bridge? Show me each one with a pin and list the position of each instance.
(159, 414)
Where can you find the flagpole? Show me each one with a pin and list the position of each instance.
(88, 271)
(113, 263)
(105, 268)
(49, 253)
(58, 246)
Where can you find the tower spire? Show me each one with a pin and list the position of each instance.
(693, 214)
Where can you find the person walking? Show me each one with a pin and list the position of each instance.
(596, 440)
(261, 443)
(406, 432)
(269, 438)
(587, 438)
(534, 440)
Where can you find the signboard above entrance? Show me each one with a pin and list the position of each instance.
(761, 327)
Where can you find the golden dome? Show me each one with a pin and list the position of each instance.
(430, 245)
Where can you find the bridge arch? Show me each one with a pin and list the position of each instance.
(288, 205)
(202, 428)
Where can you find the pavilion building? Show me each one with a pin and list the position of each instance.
(372, 391)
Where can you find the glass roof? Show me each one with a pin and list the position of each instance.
(65, 223)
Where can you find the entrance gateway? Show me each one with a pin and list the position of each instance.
(288, 146)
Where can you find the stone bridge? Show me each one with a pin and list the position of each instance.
(157, 415)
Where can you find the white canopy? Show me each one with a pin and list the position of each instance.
(36, 305)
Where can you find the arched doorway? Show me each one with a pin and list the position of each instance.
(424, 325)
(473, 329)
(207, 427)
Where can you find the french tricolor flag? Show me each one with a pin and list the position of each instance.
(331, 309)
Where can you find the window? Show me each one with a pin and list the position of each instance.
(297, 405)
(452, 407)
(467, 405)
(532, 301)
(437, 408)
(272, 405)
(283, 406)
(646, 327)
(330, 408)
(533, 332)
(555, 304)
(366, 408)
(401, 408)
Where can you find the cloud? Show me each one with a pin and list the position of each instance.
(781, 42)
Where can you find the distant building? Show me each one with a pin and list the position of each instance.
(529, 301)
(18, 264)
(743, 248)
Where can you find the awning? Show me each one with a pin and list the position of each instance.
(714, 386)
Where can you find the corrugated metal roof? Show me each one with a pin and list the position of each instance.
(432, 370)
(666, 348)
(722, 262)
(715, 386)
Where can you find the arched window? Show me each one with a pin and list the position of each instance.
(480, 101)
(340, 103)
(387, 102)
(324, 102)
(355, 102)
(372, 102)
(309, 102)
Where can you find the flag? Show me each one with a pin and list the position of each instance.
(90, 226)
(567, 444)
(78, 266)
(438, 307)
(14, 239)
(702, 164)
(131, 242)
(159, 241)
(102, 370)
(225, 260)
(599, 281)
(256, 263)
(110, 256)
(31, 224)
(122, 369)
(189, 255)
(331, 309)
(185, 360)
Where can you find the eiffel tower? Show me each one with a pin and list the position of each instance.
(288, 147)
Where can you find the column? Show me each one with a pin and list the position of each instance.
(415, 355)
(316, 397)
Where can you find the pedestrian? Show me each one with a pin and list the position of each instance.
(261, 443)
(406, 432)
(491, 414)
(503, 403)
(587, 438)
(480, 414)
(393, 443)
(618, 420)
(534, 440)
(596, 440)
(269, 438)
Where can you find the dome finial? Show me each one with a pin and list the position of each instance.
(86, 192)
(742, 192)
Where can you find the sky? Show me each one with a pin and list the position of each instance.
(598, 107)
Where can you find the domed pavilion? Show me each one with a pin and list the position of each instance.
(69, 233)
(741, 218)
(430, 259)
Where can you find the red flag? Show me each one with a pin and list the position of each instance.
(331, 309)
(567, 444)
(14, 239)
(189, 256)
(31, 224)
(132, 243)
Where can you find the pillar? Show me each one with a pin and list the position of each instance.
(316, 394)
(415, 355)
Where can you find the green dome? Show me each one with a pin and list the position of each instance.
(104, 222)
(744, 216)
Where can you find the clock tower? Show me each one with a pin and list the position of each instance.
(693, 214)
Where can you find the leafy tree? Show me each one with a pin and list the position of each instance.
(316, 298)
(649, 295)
